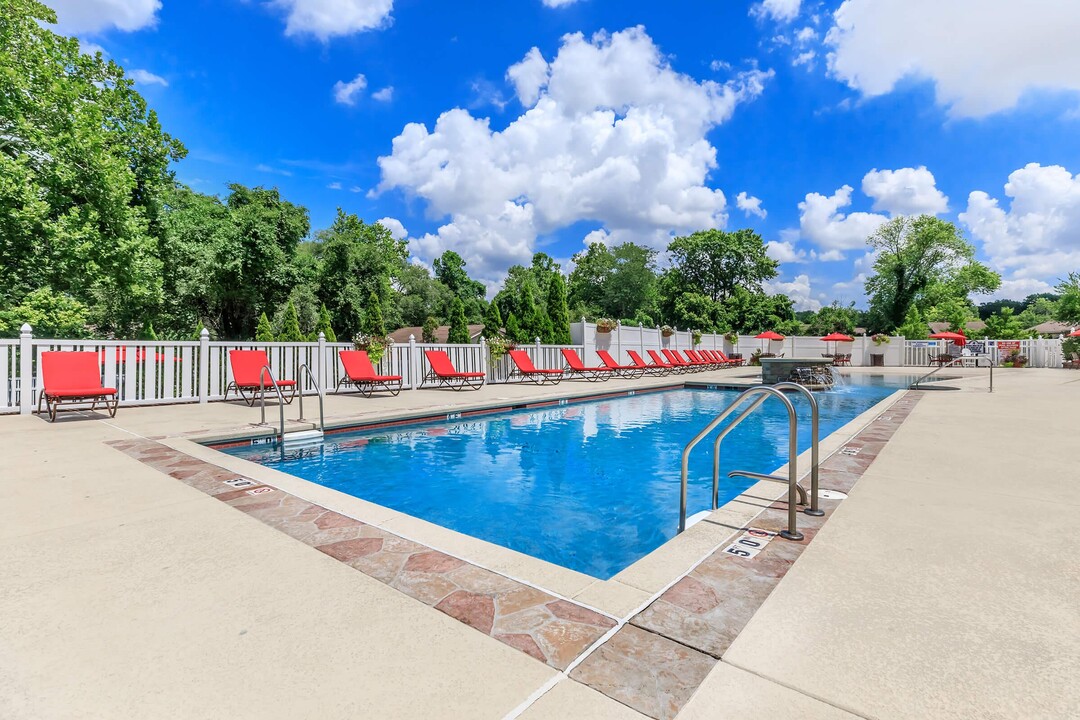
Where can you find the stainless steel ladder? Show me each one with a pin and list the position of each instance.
(795, 491)
(951, 363)
(301, 436)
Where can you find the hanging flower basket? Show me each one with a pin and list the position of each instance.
(696, 335)
(731, 337)
(373, 345)
(880, 339)
(667, 330)
(605, 325)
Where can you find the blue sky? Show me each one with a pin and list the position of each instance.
(811, 122)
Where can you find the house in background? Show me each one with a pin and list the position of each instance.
(970, 327)
(1052, 329)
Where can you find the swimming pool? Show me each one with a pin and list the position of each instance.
(592, 486)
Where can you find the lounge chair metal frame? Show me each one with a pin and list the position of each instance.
(257, 386)
(626, 371)
(533, 374)
(454, 380)
(591, 374)
(646, 368)
(109, 397)
(366, 385)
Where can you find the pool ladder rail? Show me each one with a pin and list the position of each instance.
(300, 437)
(796, 493)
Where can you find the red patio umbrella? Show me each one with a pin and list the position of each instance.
(1075, 333)
(768, 335)
(837, 338)
(956, 337)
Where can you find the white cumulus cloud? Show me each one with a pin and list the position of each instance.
(145, 77)
(822, 223)
(384, 95)
(346, 92)
(750, 205)
(395, 227)
(1037, 238)
(91, 16)
(785, 252)
(326, 19)
(907, 191)
(798, 290)
(781, 10)
(981, 55)
(611, 134)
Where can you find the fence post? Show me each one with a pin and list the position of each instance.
(618, 341)
(320, 361)
(413, 360)
(204, 366)
(26, 369)
(484, 365)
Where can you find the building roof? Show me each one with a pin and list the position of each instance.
(1052, 328)
(969, 327)
(401, 335)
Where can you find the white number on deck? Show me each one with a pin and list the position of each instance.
(453, 416)
(750, 543)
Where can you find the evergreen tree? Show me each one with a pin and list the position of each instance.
(427, 332)
(558, 311)
(290, 327)
(373, 320)
(914, 327)
(323, 326)
(535, 323)
(492, 321)
(148, 332)
(264, 332)
(513, 328)
(459, 326)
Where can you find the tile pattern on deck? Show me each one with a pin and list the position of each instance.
(538, 624)
(656, 662)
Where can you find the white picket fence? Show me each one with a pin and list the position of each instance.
(164, 372)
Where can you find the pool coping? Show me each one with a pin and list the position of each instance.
(620, 596)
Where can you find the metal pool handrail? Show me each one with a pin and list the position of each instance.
(263, 374)
(792, 532)
(976, 358)
(814, 460)
(305, 369)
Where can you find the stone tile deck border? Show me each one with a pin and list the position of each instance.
(651, 659)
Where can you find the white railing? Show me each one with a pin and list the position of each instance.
(1040, 352)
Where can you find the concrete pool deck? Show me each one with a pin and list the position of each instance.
(937, 589)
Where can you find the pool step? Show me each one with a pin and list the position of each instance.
(302, 437)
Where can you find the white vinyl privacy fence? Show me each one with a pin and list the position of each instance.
(198, 371)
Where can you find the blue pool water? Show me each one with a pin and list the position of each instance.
(592, 486)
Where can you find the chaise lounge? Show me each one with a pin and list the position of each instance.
(360, 373)
(73, 377)
(443, 372)
(574, 366)
(247, 371)
(628, 371)
(524, 368)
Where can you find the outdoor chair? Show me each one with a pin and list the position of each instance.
(574, 366)
(628, 371)
(693, 359)
(734, 361)
(74, 377)
(524, 368)
(843, 359)
(677, 360)
(652, 369)
(658, 360)
(360, 373)
(247, 371)
(443, 372)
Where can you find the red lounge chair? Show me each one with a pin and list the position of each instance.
(672, 367)
(574, 366)
(360, 373)
(711, 355)
(677, 360)
(629, 371)
(73, 377)
(653, 369)
(693, 359)
(525, 369)
(444, 373)
(735, 362)
(247, 370)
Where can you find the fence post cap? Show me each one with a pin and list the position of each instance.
(322, 336)
(204, 333)
(412, 338)
(26, 329)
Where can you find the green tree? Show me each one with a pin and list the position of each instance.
(1004, 325)
(492, 322)
(83, 164)
(450, 271)
(558, 312)
(373, 319)
(148, 332)
(459, 326)
(50, 314)
(715, 263)
(324, 325)
(1068, 307)
(418, 296)
(290, 326)
(513, 329)
(535, 322)
(914, 326)
(264, 331)
(921, 260)
(833, 318)
(427, 332)
(356, 260)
